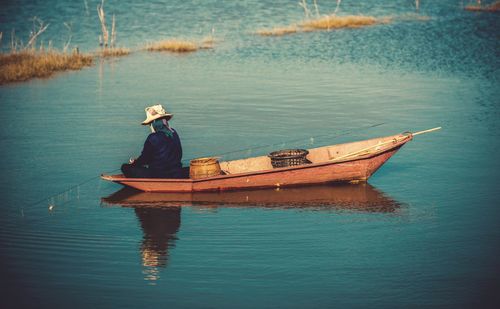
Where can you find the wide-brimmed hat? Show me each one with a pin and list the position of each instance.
(155, 112)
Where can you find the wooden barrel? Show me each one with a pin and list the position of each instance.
(204, 168)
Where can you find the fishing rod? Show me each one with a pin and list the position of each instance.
(343, 133)
(252, 148)
(380, 144)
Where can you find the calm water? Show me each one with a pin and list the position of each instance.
(424, 232)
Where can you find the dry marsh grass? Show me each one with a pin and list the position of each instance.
(173, 45)
(113, 52)
(336, 22)
(277, 31)
(27, 64)
(324, 23)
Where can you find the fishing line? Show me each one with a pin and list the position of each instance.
(250, 149)
(51, 198)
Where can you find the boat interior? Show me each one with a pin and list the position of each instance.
(332, 153)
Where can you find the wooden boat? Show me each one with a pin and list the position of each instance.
(359, 197)
(350, 162)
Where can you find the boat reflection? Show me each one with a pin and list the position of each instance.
(360, 197)
(159, 214)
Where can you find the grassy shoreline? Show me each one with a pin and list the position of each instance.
(23, 65)
(25, 62)
(28, 62)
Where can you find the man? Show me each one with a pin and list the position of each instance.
(162, 152)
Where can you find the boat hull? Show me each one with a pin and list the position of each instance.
(354, 170)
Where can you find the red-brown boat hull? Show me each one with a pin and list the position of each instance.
(354, 170)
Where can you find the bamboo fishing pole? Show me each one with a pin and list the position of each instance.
(426, 131)
(395, 140)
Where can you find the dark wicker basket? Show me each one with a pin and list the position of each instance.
(288, 157)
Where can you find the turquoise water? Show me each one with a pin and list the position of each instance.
(425, 231)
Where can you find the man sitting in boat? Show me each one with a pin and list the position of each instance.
(162, 152)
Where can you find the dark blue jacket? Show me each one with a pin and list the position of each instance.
(162, 154)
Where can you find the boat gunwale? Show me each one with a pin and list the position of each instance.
(398, 144)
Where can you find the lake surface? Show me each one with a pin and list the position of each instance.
(423, 232)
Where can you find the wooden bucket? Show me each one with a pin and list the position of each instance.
(203, 168)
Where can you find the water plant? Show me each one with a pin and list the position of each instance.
(112, 52)
(335, 22)
(208, 41)
(277, 31)
(25, 61)
(29, 63)
(70, 35)
(317, 22)
(108, 50)
(39, 27)
(103, 39)
(173, 45)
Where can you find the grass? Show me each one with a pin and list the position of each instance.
(113, 52)
(324, 23)
(494, 7)
(277, 31)
(26, 64)
(173, 45)
(319, 22)
(337, 22)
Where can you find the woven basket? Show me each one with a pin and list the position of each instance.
(288, 157)
(204, 168)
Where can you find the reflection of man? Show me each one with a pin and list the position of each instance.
(159, 226)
